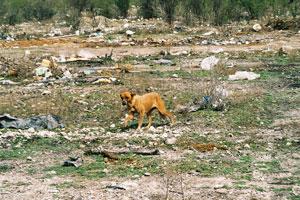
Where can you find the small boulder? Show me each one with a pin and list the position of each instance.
(257, 27)
(171, 141)
(209, 63)
(243, 75)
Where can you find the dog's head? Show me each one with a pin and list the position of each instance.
(127, 97)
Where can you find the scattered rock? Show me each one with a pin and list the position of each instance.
(136, 176)
(171, 141)
(37, 122)
(29, 158)
(147, 174)
(46, 92)
(209, 63)
(243, 75)
(152, 129)
(257, 27)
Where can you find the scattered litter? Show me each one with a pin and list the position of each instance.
(106, 80)
(67, 75)
(43, 71)
(7, 82)
(163, 62)
(129, 33)
(209, 63)
(200, 105)
(175, 76)
(214, 102)
(36, 122)
(73, 162)
(243, 75)
(96, 34)
(208, 33)
(55, 32)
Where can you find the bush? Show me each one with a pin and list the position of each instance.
(123, 6)
(147, 9)
(169, 8)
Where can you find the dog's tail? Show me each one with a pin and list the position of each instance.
(162, 109)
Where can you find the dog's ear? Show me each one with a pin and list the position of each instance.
(132, 94)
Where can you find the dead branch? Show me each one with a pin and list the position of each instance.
(114, 154)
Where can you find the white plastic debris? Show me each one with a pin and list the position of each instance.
(243, 75)
(129, 33)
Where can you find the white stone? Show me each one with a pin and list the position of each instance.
(209, 63)
(257, 27)
(243, 75)
(129, 32)
(171, 141)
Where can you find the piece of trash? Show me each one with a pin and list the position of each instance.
(7, 82)
(209, 63)
(129, 33)
(41, 71)
(73, 162)
(36, 122)
(163, 62)
(67, 75)
(204, 103)
(215, 103)
(243, 75)
(208, 33)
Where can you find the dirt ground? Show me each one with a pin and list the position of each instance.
(248, 150)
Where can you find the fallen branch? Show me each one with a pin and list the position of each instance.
(113, 154)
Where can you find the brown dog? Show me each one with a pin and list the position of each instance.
(144, 105)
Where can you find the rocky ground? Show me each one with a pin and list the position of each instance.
(242, 145)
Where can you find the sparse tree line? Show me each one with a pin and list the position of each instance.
(217, 12)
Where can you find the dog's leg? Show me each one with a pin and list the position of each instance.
(150, 117)
(141, 119)
(129, 117)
